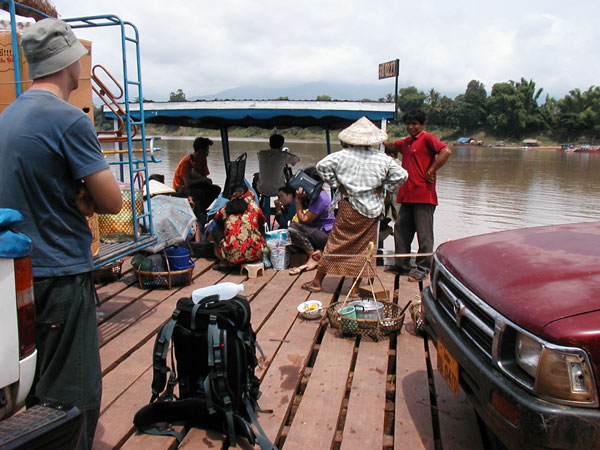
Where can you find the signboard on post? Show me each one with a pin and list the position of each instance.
(388, 70)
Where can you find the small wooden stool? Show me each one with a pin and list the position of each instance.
(252, 269)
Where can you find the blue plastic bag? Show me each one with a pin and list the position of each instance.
(12, 243)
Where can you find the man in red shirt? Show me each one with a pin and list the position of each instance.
(422, 155)
(191, 177)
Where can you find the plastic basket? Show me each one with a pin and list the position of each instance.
(164, 279)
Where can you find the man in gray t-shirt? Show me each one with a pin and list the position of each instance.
(54, 173)
(271, 164)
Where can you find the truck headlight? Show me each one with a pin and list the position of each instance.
(560, 374)
(565, 376)
(527, 354)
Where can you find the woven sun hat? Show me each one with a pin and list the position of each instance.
(156, 188)
(363, 132)
(49, 46)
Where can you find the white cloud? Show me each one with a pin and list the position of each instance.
(204, 47)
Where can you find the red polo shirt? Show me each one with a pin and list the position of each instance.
(418, 154)
(185, 167)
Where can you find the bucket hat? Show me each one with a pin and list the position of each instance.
(49, 46)
(363, 132)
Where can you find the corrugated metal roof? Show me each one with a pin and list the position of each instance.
(265, 114)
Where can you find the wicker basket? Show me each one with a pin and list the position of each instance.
(392, 319)
(109, 272)
(161, 279)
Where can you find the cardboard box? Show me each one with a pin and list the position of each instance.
(8, 91)
(81, 97)
(380, 293)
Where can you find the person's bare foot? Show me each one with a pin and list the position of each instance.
(311, 264)
(311, 286)
(316, 255)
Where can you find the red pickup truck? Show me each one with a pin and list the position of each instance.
(516, 319)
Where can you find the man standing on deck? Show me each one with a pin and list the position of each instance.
(423, 154)
(54, 173)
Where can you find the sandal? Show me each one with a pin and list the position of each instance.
(298, 270)
(308, 286)
(308, 267)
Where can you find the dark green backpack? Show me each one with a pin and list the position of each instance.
(213, 359)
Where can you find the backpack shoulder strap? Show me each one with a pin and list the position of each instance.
(261, 438)
(159, 357)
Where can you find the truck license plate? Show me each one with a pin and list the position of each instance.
(447, 366)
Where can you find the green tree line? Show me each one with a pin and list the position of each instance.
(512, 109)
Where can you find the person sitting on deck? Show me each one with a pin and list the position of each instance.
(191, 177)
(314, 223)
(271, 165)
(237, 230)
(284, 210)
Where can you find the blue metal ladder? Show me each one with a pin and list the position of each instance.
(130, 166)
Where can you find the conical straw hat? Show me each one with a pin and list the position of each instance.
(362, 132)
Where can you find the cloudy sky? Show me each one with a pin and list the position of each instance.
(205, 47)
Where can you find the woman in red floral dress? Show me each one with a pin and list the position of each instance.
(237, 233)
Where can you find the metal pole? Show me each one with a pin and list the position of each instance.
(15, 47)
(396, 90)
(225, 146)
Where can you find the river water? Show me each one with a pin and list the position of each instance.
(480, 189)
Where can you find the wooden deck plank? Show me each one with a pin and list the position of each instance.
(139, 441)
(116, 424)
(269, 297)
(366, 405)
(281, 380)
(412, 423)
(106, 292)
(125, 374)
(315, 421)
(271, 336)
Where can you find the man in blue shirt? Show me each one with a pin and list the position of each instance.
(54, 173)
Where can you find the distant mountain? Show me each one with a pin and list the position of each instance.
(307, 91)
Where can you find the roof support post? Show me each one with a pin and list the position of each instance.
(225, 146)
(328, 140)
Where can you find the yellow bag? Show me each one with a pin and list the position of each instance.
(295, 218)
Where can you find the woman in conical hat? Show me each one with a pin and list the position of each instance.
(360, 173)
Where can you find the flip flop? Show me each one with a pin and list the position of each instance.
(309, 287)
(297, 270)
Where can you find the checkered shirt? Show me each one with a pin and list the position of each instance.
(364, 173)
